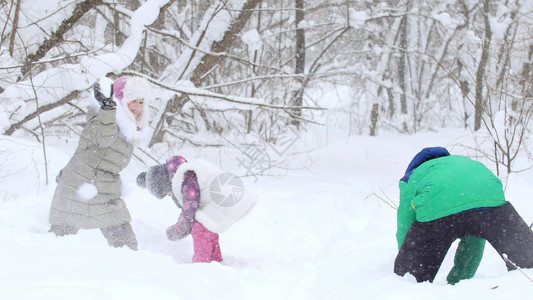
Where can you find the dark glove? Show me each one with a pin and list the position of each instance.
(106, 103)
(174, 233)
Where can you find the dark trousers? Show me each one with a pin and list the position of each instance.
(427, 243)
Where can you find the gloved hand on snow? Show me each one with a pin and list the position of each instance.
(103, 93)
(174, 232)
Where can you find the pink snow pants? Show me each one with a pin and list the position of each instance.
(206, 247)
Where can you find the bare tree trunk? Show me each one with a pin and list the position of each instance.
(173, 107)
(402, 63)
(504, 53)
(374, 115)
(14, 30)
(480, 74)
(465, 89)
(118, 36)
(298, 93)
(208, 62)
(527, 75)
(43, 136)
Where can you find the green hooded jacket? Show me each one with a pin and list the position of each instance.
(445, 186)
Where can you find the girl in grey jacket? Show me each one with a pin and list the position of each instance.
(88, 192)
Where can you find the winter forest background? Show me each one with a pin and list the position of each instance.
(250, 73)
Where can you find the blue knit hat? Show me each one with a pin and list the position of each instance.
(423, 156)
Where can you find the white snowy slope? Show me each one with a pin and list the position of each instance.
(323, 232)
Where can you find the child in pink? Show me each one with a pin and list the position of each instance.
(206, 246)
(189, 188)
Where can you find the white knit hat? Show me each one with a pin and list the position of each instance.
(131, 88)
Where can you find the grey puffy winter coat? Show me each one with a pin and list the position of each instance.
(101, 154)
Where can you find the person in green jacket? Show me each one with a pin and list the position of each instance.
(447, 197)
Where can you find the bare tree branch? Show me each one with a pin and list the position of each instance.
(56, 37)
(208, 62)
(42, 109)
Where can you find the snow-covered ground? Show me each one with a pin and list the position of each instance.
(322, 232)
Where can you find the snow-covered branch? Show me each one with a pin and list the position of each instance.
(188, 89)
(54, 84)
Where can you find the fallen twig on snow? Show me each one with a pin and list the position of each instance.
(514, 265)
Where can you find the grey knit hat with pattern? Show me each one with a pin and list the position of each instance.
(156, 180)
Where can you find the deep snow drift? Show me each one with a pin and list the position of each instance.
(326, 231)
